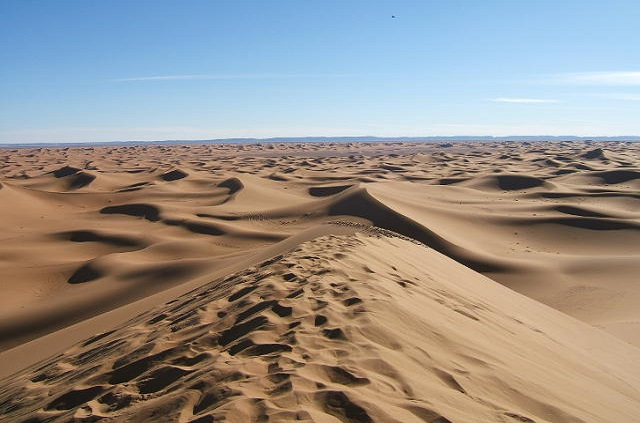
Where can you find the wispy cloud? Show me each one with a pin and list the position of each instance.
(600, 78)
(621, 96)
(523, 100)
(229, 76)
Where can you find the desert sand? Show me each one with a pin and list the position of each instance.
(346, 282)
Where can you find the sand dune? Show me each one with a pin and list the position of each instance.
(343, 282)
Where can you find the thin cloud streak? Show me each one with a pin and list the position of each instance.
(523, 100)
(600, 78)
(621, 96)
(230, 76)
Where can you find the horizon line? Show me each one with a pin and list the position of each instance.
(347, 138)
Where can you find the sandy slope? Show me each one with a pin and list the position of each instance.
(346, 328)
(92, 237)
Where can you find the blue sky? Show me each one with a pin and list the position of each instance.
(148, 70)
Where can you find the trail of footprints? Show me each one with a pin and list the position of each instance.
(264, 341)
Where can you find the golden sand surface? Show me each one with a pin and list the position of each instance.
(336, 282)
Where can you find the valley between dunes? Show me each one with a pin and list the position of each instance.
(355, 282)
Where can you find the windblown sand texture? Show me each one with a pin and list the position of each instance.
(388, 282)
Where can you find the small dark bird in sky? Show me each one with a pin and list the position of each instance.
(393, 16)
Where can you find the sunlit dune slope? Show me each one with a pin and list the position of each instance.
(360, 328)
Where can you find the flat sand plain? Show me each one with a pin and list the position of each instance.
(345, 282)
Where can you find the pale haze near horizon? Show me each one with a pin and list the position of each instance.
(100, 71)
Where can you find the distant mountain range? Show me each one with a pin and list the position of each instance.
(325, 140)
